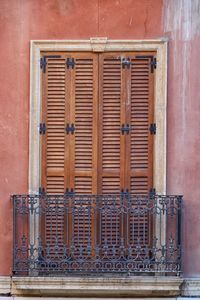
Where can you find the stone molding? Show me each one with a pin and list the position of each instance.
(97, 286)
(191, 287)
(5, 285)
(98, 44)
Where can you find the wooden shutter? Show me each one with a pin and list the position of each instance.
(139, 114)
(83, 107)
(83, 113)
(111, 117)
(139, 143)
(69, 96)
(69, 161)
(54, 112)
(112, 93)
(125, 161)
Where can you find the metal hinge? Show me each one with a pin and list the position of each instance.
(125, 128)
(152, 128)
(70, 63)
(43, 61)
(153, 61)
(42, 129)
(70, 129)
(152, 192)
(69, 192)
(41, 191)
(124, 192)
(126, 63)
(153, 64)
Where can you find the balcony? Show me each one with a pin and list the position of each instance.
(60, 235)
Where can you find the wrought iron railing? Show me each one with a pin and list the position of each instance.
(85, 234)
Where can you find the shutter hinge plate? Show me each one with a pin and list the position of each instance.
(124, 192)
(42, 128)
(43, 61)
(152, 128)
(126, 63)
(153, 64)
(70, 63)
(69, 192)
(70, 129)
(41, 191)
(152, 192)
(125, 129)
(153, 61)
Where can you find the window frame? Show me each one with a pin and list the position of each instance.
(100, 45)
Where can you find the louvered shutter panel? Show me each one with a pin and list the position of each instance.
(139, 144)
(54, 142)
(54, 116)
(111, 118)
(83, 147)
(126, 97)
(111, 148)
(83, 114)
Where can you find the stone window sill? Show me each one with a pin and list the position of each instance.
(97, 286)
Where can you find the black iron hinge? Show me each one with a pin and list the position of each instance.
(126, 63)
(152, 128)
(125, 128)
(42, 128)
(41, 191)
(69, 192)
(43, 61)
(124, 192)
(152, 192)
(153, 64)
(70, 63)
(153, 61)
(70, 129)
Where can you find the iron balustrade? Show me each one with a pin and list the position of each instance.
(85, 234)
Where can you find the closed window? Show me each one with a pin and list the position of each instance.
(98, 115)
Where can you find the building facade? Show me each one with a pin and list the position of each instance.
(100, 98)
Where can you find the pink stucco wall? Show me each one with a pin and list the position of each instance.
(25, 20)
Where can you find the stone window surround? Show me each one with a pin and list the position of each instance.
(100, 45)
